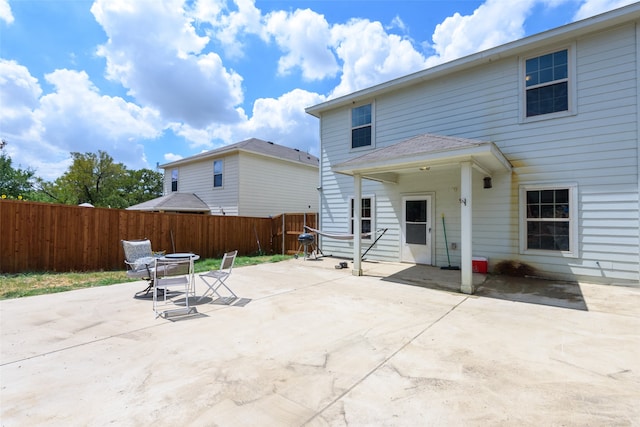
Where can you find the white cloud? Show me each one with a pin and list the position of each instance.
(594, 7)
(207, 10)
(305, 37)
(370, 55)
(74, 117)
(162, 65)
(281, 120)
(284, 121)
(230, 28)
(493, 23)
(398, 23)
(5, 12)
(19, 92)
(171, 157)
(196, 137)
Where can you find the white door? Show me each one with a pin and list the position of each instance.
(416, 229)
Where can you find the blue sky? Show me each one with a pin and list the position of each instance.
(152, 81)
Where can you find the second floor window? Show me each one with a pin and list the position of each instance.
(547, 83)
(361, 126)
(174, 180)
(217, 173)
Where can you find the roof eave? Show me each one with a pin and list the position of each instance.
(486, 155)
(198, 157)
(222, 152)
(170, 209)
(270, 156)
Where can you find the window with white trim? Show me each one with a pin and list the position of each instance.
(361, 126)
(217, 173)
(174, 180)
(547, 83)
(549, 219)
(366, 215)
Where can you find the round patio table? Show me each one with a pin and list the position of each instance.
(193, 256)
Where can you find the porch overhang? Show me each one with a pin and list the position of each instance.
(422, 152)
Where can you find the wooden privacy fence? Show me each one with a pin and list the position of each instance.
(49, 237)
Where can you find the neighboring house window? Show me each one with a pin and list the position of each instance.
(361, 126)
(174, 180)
(547, 83)
(366, 218)
(217, 173)
(549, 219)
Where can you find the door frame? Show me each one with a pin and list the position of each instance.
(430, 197)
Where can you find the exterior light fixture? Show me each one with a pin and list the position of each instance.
(487, 182)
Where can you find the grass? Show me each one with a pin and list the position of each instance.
(29, 284)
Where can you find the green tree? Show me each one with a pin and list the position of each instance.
(48, 192)
(14, 182)
(97, 179)
(91, 178)
(141, 185)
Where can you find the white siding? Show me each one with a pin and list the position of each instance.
(227, 197)
(197, 178)
(597, 148)
(271, 186)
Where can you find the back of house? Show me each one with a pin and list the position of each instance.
(527, 152)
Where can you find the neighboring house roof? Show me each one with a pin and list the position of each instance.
(256, 146)
(174, 202)
(424, 150)
(562, 34)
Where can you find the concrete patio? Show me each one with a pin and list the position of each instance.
(308, 344)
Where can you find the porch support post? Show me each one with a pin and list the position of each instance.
(357, 225)
(466, 220)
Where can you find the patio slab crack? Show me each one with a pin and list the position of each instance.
(383, 363)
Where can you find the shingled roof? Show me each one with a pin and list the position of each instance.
(418, 145)
(174, 202)
(253, 145)
(423, 151)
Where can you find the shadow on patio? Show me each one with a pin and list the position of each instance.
(517, 289)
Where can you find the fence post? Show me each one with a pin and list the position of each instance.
(283, 234)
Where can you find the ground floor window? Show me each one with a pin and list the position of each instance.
(548, 220)
(366, 219)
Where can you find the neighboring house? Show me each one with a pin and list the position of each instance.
(250, 178)
(528, 152)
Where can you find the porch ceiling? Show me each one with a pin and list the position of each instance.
(424, 151)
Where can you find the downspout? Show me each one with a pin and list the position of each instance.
(638, 129)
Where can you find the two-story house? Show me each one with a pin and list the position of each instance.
(526, 152)
(250, 178)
